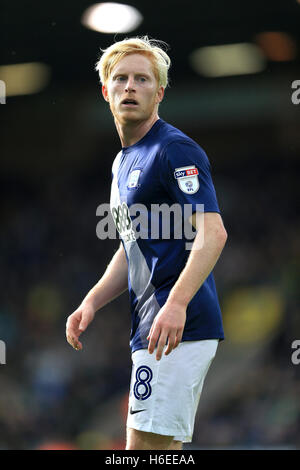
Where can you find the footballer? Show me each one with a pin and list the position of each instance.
(176, 321)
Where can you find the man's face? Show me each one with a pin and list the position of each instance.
(132, 90)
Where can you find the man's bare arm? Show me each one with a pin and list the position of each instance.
(111, 285)
(206, 250)
(170, 321)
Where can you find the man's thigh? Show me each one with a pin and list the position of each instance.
(164, 394)
(140, 440)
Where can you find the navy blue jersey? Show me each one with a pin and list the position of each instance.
(164, 169)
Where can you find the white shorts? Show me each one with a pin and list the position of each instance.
(164, 395)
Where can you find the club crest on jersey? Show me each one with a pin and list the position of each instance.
(133, 179)
(187, 179)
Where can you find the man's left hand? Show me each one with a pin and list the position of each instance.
(168, 326)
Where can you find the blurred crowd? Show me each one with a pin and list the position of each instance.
(51, 395)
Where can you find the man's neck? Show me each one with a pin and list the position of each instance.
(131, 133)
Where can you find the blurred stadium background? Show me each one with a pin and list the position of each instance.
(234, 64)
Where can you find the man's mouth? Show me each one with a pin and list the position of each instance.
(129, 102)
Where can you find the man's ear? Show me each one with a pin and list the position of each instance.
(105, 93)
(160, 94)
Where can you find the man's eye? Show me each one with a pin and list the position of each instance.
(120, 79)
(142, 79)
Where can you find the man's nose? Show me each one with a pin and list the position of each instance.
(130, 85)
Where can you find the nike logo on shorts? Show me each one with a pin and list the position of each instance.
(132, 412)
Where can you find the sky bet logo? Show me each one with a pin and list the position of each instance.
(296, 94)
(186, 172)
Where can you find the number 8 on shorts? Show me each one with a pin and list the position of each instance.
(142, 388)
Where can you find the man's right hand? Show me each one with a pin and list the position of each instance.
(77, 322)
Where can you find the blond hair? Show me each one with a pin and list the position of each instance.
(152, 48)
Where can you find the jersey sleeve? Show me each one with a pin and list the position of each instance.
(186, 175)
